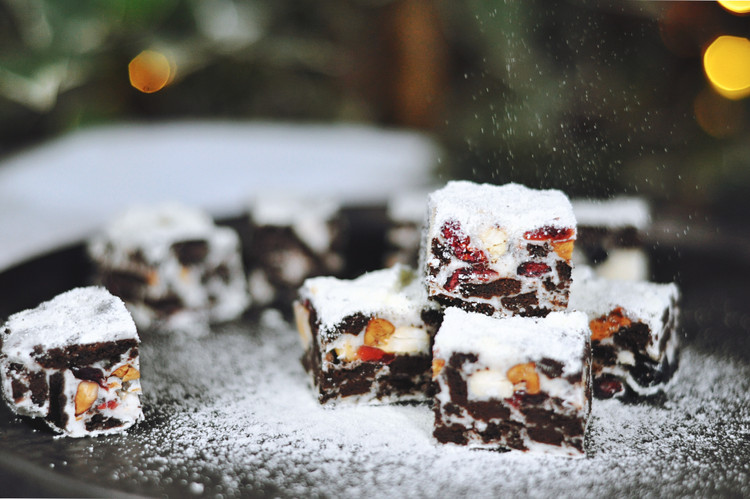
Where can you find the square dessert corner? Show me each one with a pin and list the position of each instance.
(291, 238)
(634, 333)
(73, 361)
(368, 339)
(499, 250)
(611, 234)
(173, 267)
(513, 383)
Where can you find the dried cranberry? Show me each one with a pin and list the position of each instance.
(516, 399)
(372, 354)
(549, 232)
(460, 243)
(475, 274)
(533, 269)
(607, 387)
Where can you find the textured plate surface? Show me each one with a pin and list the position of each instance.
(232, 415)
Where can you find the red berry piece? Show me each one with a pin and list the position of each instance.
(372, 354)
(460, 243)
(112, 404)
(533, 269)
(474, 274)
(607, 387)
(549, 233)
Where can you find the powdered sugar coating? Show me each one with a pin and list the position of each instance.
(501, 342)
(395, 291)
(307, 217)
(514, 207)
(616, 212)
(79, 316)
(153, 229)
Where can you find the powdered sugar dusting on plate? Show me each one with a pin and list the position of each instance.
(232, 416)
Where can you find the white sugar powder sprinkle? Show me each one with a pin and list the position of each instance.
(514, 207)
(79, 316)
(233, 414)
(503, 341)
(393, 291)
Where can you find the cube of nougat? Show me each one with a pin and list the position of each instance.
(73, 361)
(499, 250)
(367, 339)
(610, 236)
(174, 268)
(290, 239)
(634, 337)
(516, 383)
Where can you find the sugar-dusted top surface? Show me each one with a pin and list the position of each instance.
(283, 209)
(308, 217)
(502, 341)
(514, 207)
(643, 301)
(392, 291)
(79, 316)
(623, 211)
(157, 225)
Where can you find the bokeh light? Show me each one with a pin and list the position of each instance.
(718, 117)
(736, 6)
(150, 71)
(726, 63)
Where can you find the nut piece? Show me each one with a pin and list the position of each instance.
(564, 249)
(126, 373)
(437, 366)
(86, 395)
(378, 332)
(607, 325)
(524, 373)
(495, 241)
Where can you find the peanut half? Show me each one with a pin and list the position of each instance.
(378, 332)
(524, 373)
(437, 366)
(564, 249)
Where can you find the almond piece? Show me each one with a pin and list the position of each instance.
(524, 373)
(564, 249)
(86, 395)
(378, 332)
(437, 366)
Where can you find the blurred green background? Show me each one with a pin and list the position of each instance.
(595, 97)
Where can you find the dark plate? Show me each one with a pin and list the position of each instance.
(232, 415)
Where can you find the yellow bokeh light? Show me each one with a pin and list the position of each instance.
(726, 63)
(736, 6)
(717, 116)
(150, 71)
